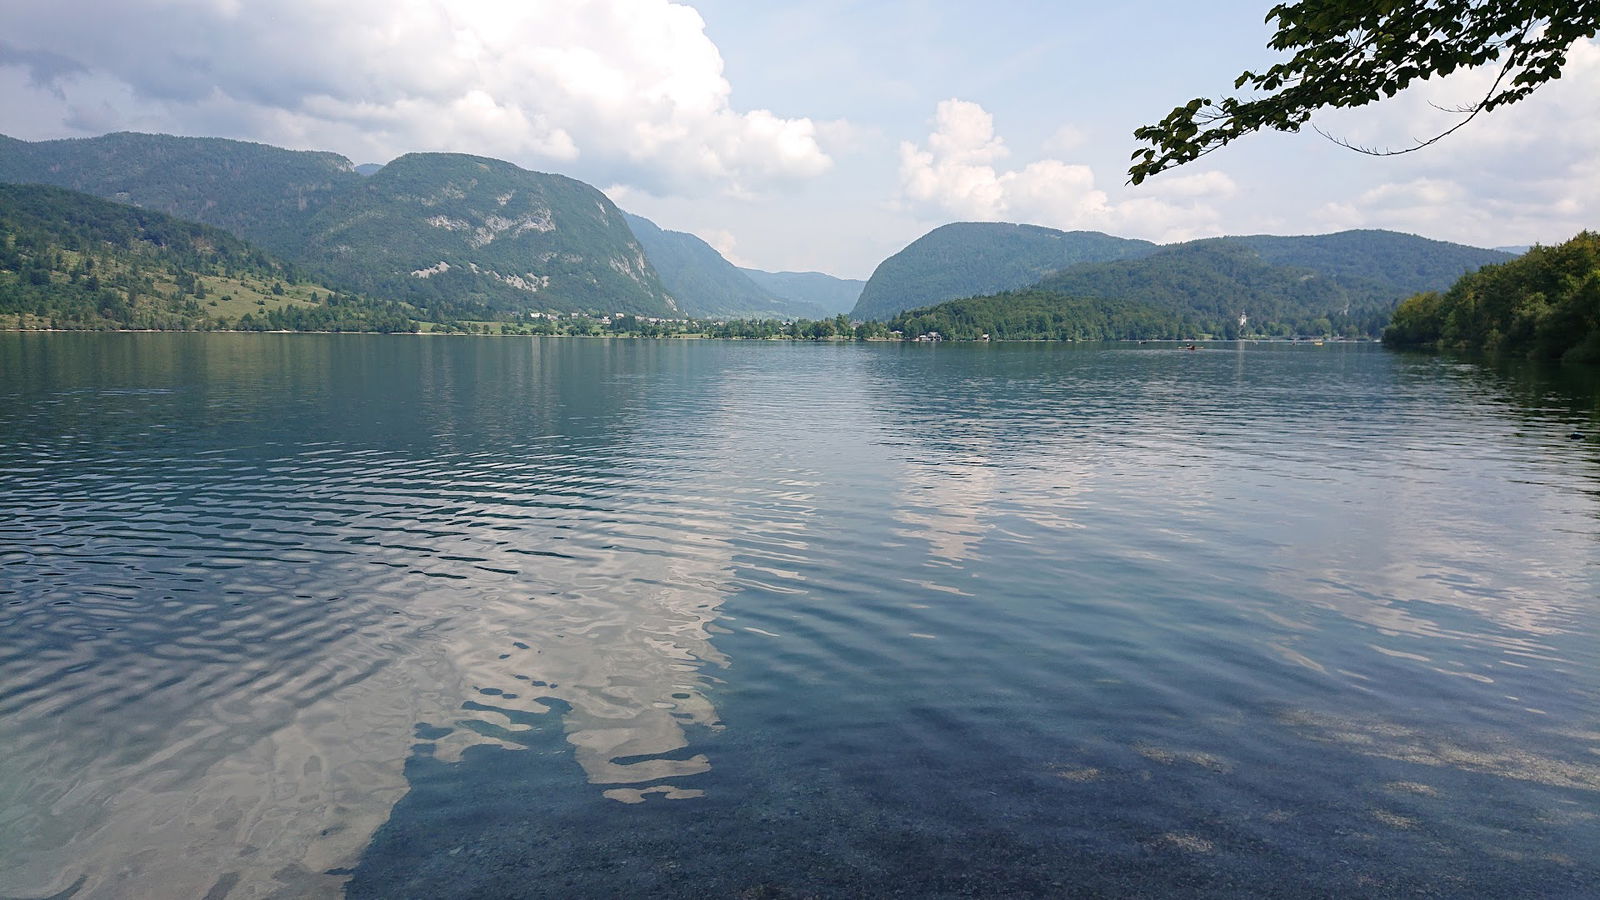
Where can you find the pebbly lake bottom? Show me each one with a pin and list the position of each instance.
(1312, 817)
(297, 615)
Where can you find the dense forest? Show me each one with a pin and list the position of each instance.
(1216, 281)
(1217, 288)
(1381, 266)
(1544, 304)
(1034, 315)
(837, 328)
(68, 260)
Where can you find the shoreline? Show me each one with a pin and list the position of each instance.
(702, 337)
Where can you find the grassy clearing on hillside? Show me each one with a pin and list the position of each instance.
(232, 298)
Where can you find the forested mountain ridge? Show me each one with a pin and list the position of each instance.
(705, 284)
(566, 247)
(1368, 267)
(1260, 286)
(69, 260)
(1345, 283)
(1372, 261)
(967, 259)
(1216, 282)
(256, 191)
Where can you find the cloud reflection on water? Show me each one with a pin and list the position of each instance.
(479, 581)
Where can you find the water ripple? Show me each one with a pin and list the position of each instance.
(249, 580)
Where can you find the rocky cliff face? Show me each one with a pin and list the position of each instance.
(437, 224)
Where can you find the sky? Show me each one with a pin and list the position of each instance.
(812, 137)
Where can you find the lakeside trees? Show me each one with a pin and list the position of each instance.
(1035, 315)
(1544, 304)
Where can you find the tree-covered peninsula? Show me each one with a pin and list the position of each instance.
(1041, 315)
(1544, 304)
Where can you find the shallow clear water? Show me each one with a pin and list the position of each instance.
(407, 616)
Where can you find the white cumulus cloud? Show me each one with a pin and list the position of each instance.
(958, 173)
(617, 91)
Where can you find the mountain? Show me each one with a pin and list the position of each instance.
(1214, 282)
(705, 284)
(258, 192)
(69, 260)
(1352, 277)
(434, 228)
(1389, 264)
(463, 235)
(967, 259)
(827, 293)
(1344, 283)
(368, 168)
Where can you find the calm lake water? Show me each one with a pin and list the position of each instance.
(296, 615)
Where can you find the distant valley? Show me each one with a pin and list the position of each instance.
(706, 285)
(826, 292)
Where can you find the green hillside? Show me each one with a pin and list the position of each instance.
(1214, 282)
(261, 193)
(1351, 278)
(1545, 303)
(704, 283)
(826, 293)
(1344, 283)
(69, 260)
(1389, 264)
(967, 259)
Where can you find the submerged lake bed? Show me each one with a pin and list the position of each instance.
(311, 615)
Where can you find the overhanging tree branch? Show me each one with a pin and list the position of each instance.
(1348, 53)
(1470, 111)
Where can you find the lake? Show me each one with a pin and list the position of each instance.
(303, 615)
